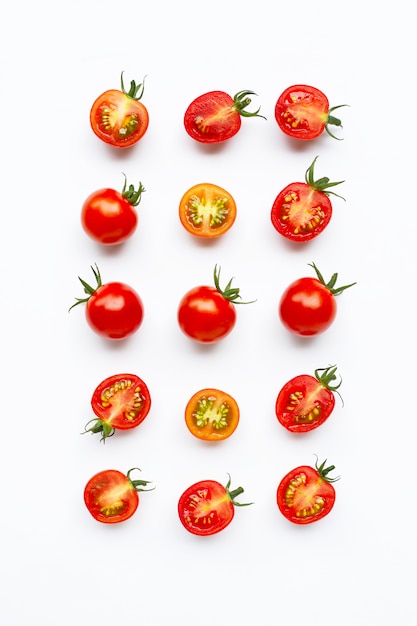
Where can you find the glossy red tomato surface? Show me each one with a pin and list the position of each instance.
(117, 116)
(306, 495)
(303, 112)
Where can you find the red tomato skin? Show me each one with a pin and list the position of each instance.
(204, 315)
(114, 311)
(211, 118)
(114, 102)
(317, 488)
(313, 395)
(108, 218)
(110, 387)
(310, 104)
(312, 213)
(97, 495)
(213, 520)
(307, 307)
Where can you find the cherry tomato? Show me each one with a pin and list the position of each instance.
(303, 112)
(306, 495)
(118, 117)
(215, 116)
(301, 211)
(109, 216)
(121, 402)
(305, 402)
(308, 305)
(113, 310)
(207, 507)
(212, 415)
(207, 314)
(207, 210)
(112, 497)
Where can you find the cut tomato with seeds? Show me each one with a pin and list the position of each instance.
(121, 402)
(212, 415)
(207, 210)
(306, 495)
(305, 402)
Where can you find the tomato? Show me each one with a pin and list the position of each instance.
(303, 112)
(118, 117)
(121, 402)
(207, 314)
(112, 497)
(305, 402)
(207, 507)
(308, 305)
(212, 415)
(301, 211)
(207, 210)
(306, 494)
(113, 310)
(215, 116)
(109, 216)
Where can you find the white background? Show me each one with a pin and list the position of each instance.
(355, 567)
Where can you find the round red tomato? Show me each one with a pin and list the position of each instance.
(301, 211)
(207, 314)
(109, 216)
(303, 112)
(305, 402)
(215, 116)
(113, 310)
(112, 497)
(118, 117)
(121, 402)
(207, 210)
(308, 305)
(306, 495)
(207, 507)
(212, 415)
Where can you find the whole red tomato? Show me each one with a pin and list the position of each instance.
(113, 310)
(215, 116)
(308, 305)
(207, 314)
(118, 117)
(109, 216)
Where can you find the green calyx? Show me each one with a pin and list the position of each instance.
(326, 375)
(332, 282)
(132, 195)
(241, 101)
(99, 426)
(325, 471)
(334, 121)
(137, 484)
(322, 184)
(136, 91)
(232, 294)
(233, 494)
(90, 291)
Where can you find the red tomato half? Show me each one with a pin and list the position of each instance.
(112, 497)
(306, 495)
(207, 210)
(212, 415)
(207, 314)
(118, 117)
(109, 217)
(308, 305)
(207, 507)
(121, 402)
(303, 112)
(301, 211)
(215, 116)
(113, 310)
(305, 402)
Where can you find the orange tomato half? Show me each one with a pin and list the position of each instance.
(207, 210)
(212, 415)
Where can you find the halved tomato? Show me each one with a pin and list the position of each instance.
(207, 210)
(212, 415)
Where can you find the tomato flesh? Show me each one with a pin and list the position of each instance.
(212, 118)
(117, 119)
(212, 415)
(205, 508)
(110, 497)
(303, 404)
(301, 112)
(122, 401)
(307, 307)
(304, 497)
(108, 218)
(207, 210)
(114, 311)
(204, 315)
